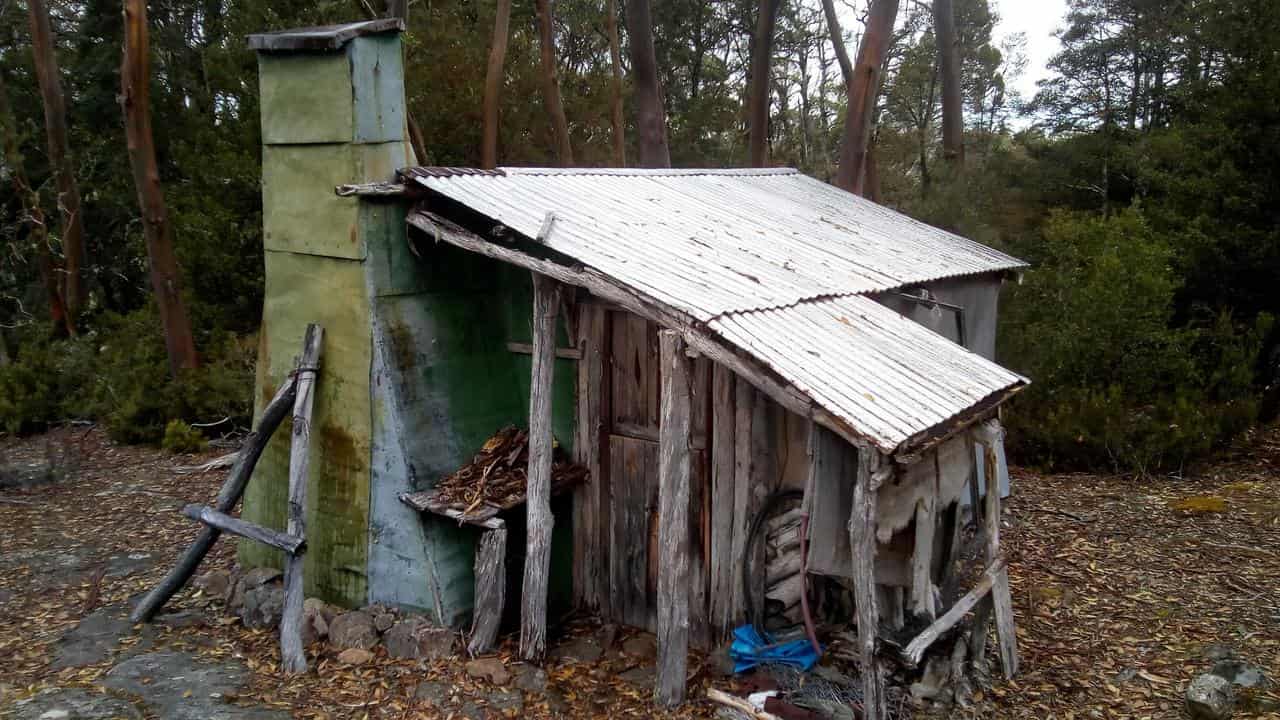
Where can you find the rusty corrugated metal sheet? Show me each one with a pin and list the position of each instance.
(774, 263)
(711, 242)
(889, 377)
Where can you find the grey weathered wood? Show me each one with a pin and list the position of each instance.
(293, 655)
(743, 500)
(324, 37)
(527, 349)
(862, 540)
(490, 592)
(427, 501)
(916, 649)
(673, 522)
(724, 565)
(537, 566)
(234, 525)
(380, 190)
(590, 502)
(272, 415)
(922, 559)
(1001, 598)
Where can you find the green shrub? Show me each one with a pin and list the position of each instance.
(180, 437)
(1116, 386)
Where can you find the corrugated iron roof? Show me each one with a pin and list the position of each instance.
(773, 263)
(710, 242)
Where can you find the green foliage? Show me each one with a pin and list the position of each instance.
(1115, 384)
(180, 437)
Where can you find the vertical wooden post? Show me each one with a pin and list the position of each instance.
(589, 500)
(1001, 599)
(673, 521)
(537, 564)
(724, 564)
(292, 655)
(491, 581)
(922, 557)
(862, 539)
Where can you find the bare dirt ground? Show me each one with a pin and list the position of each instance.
(1123, 589)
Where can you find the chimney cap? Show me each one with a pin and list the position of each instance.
(324, 37)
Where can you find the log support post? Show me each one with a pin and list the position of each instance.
(673, 521)
(292, 654)
(862, 540)
(490, 593)
(922, 605)
(590, 501)
(1001, 599)
(533, 610)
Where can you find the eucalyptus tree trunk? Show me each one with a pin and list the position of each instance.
(32, 215)
(551, 84)
(944, 31)
(863, 87)
(166, 279)
(55, 122)
(615, 90)
(651, 116)
(493, 85)
(758, 93)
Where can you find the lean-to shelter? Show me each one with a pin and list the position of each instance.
(699, 340)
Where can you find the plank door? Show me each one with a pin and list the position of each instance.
(631, 416)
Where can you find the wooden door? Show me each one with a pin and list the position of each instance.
(631, 414)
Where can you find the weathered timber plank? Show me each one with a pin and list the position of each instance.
(527, 349)
(1001, 599)
(490, 593)
(533, 614)
(203, 513)
(228, 496)
(922, 559)
(590, 503)
(292, 654)
(723, 565)
(916, 649)
(673, 522)
(744, 404)
(862, 540)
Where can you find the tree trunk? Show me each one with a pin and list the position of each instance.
(32, 215)
(944, 30)
(615, 94)
(863, 88)
(166, 280)
(551, 84)
(758, 94)
(651, 117)
(55, 121)
(493, 85)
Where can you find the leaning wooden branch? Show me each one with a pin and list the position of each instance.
(916, 649)
(739, 704)
(232, 489)
(292, 654)
(234, 525)
(379, 190)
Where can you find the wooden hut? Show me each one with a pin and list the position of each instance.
(698, 339)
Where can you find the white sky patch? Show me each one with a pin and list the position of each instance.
(1037, 19)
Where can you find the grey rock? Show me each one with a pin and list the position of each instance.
(471, 711)
(415, 638)
(1219, 651)
(556, 703)
(489, 668)
(508, 702)
(641, 676)
(315, 621)
(93, 639)
(215, 583)
(74, 704)
(180, 686)
(179, 619)
(608, 636)
(720, 663)
(125, 565)
(249, 580)
(643, 646)
(432, 693)
(583, 649)
(1240, 673)
(353, 630)
(530, 678)
(383, 621)
(1210, 697)
(263, 605)
(355, 656)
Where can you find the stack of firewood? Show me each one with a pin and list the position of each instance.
(496, 476)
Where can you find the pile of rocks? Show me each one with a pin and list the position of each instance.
(256, 596)
(1215, 694)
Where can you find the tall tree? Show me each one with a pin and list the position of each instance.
(493, 85)
(863, 89)
(32, 214)
(55, 121)
(651, 115)
(166, 280)
(551, 83)
(944, 33)
(758, 94)
(615, 86)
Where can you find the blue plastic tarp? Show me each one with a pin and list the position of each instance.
(751, 647)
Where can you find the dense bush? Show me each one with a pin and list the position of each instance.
(118, 374)
(1115, 384)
